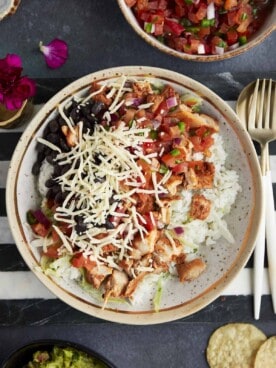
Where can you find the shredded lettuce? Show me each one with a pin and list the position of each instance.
(159, 291)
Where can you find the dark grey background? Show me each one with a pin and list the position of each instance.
(99, 37)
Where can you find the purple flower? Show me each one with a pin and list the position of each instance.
(56, 53)
(14, 88)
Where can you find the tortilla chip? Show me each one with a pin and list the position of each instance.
(266, 355)
(234, 345)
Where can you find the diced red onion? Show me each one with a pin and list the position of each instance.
(156, 124)
(219, 50)
(195, 2)
(234, 46)
(177, 141)
(42, 219)
(179, 230)
(171, 102)
(201, 49)
(211, 11)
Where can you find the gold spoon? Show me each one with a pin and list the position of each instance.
(256, 108)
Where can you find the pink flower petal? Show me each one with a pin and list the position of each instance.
(14, 89)
(55, 53)
(14, 60)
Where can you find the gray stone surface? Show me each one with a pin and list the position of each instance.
(99, 37)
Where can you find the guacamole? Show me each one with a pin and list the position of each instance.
(63, 358)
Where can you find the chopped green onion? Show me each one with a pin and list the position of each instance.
(175, 152)
(192, 29)
(208, 132)
(222, 44)
(148, 27)
(153, 134)
(181, 125)
(185, 22)
(161, 39)
(163, 169)
(244, 16)
(207, 22)
(130, 124)
(31, 218)
(242, 40)
(189, 2)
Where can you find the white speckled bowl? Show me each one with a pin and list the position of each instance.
(224, 261)
(266, 29)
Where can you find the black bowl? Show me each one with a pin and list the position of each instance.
(23, 355)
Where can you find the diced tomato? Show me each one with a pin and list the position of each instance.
(232, 36)
(180, 168)
(202, 144)
(174, 27)
(146, 170)
(174, 157)
(202, 11)
(52, 251)
(40, 229)
(194, 45)
(79, 261)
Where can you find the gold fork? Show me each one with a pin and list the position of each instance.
(256, 107)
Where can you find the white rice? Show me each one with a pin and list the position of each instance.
(222, 197)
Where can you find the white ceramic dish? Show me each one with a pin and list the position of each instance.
(223, 261)
(266, 29)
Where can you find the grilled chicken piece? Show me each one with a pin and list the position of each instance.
(200, 207)
(97, 275)
(116, 284)
(101, 96)
(156, 100)
(201, 177)
(165, 251)
(142, 88)
(195, 120)
(126, 265)
(142, 247)
(188, 271)
(172, 184)
(133, 284)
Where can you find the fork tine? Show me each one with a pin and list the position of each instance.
(273, 102)
(268, 105)
(261, 106)
(253, 107)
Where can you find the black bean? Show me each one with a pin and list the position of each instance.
(80, 228)
(40, 156)
(57, 170)
(50, 194)
(56, 189)
(75, 114)
(58, 198)
(53, 138)
(109, 225)
(97, 107)
(51, 158)
(54, 126)
(64, 195)
(36, 168)
(85, 110)
(64, 169)
(63, 145)
(40, 147)
(46, 131)
(50, 183)
(61, 121)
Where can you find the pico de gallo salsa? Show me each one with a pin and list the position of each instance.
(205, 27)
